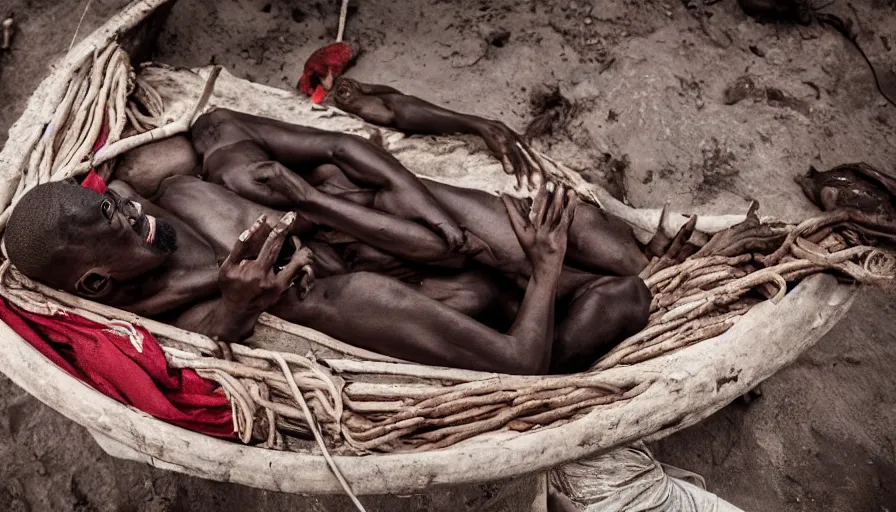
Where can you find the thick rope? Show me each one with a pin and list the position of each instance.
(96, 95)
(317, 437)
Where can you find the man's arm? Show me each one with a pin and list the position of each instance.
(220, 320)
(386, 316)
(388, 233)
(388, 107)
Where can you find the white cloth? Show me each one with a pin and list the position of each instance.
(631, 480)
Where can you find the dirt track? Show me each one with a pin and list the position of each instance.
(649, 81)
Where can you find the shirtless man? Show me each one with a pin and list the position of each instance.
(141, 271)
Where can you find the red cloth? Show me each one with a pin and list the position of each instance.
(109, 362)
(331, 60)
(94, 181)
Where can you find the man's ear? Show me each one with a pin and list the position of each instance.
(93, 285)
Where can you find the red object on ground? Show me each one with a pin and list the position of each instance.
(320, 94)
(324, 65)
(108, 361)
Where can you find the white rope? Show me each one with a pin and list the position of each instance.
(343, 13)
(78, 28)
(312, 424)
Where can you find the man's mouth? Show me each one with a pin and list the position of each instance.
(151, 231)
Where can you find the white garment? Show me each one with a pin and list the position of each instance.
(631, 480)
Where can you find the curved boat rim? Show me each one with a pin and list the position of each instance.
(690, 385)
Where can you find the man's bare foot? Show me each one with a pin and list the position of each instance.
(674, 249)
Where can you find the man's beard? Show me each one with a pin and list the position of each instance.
(165, 238)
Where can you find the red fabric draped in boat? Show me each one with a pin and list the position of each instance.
(134, 373)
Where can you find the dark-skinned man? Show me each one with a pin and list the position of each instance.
(185, 287)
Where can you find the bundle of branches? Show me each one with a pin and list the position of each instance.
(94, 101)
(704, 295)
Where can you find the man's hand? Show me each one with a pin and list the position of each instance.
(508, 147)
(281, 184)
(542, 227)
(452, 234)
(248, 279)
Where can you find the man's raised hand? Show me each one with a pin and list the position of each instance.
(248, 278)
(542, 226)
(515, 156)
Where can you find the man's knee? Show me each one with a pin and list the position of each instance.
(603, 313)
(347, 147)
(213, 118)
(633, 293)
(206, 130)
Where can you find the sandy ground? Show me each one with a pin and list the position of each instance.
(648, 81)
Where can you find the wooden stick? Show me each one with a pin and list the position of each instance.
(323, 340)
(408, 370)
(343, 14)
(181, 125)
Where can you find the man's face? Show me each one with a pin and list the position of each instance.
(118, 242)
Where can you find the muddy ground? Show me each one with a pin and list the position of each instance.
(651, 120)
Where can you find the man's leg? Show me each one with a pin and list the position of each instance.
(597, 242)
(600, 314)
(144, 168)
(600, 243)
(381, 314)
(301, 149)
(489, 298)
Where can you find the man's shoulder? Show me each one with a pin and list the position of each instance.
(124, 189)
(175, 184)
